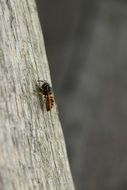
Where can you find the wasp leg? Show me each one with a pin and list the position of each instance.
(38, 92)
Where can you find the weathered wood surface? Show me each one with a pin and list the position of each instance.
(32, 149)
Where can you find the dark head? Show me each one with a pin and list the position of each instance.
(46, 87)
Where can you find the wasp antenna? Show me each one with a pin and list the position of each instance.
(42, 81)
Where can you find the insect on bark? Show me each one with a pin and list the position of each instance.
(45, 91)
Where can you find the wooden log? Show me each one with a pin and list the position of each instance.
(32, 148)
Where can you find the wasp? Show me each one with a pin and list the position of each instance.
(45, 90)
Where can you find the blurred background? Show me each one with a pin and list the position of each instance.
(86, 44)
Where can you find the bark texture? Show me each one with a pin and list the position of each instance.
(32, 149)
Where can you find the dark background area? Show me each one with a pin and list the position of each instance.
(86, 44)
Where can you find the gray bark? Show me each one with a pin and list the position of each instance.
(32, 149)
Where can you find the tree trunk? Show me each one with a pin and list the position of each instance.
(32, 149)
